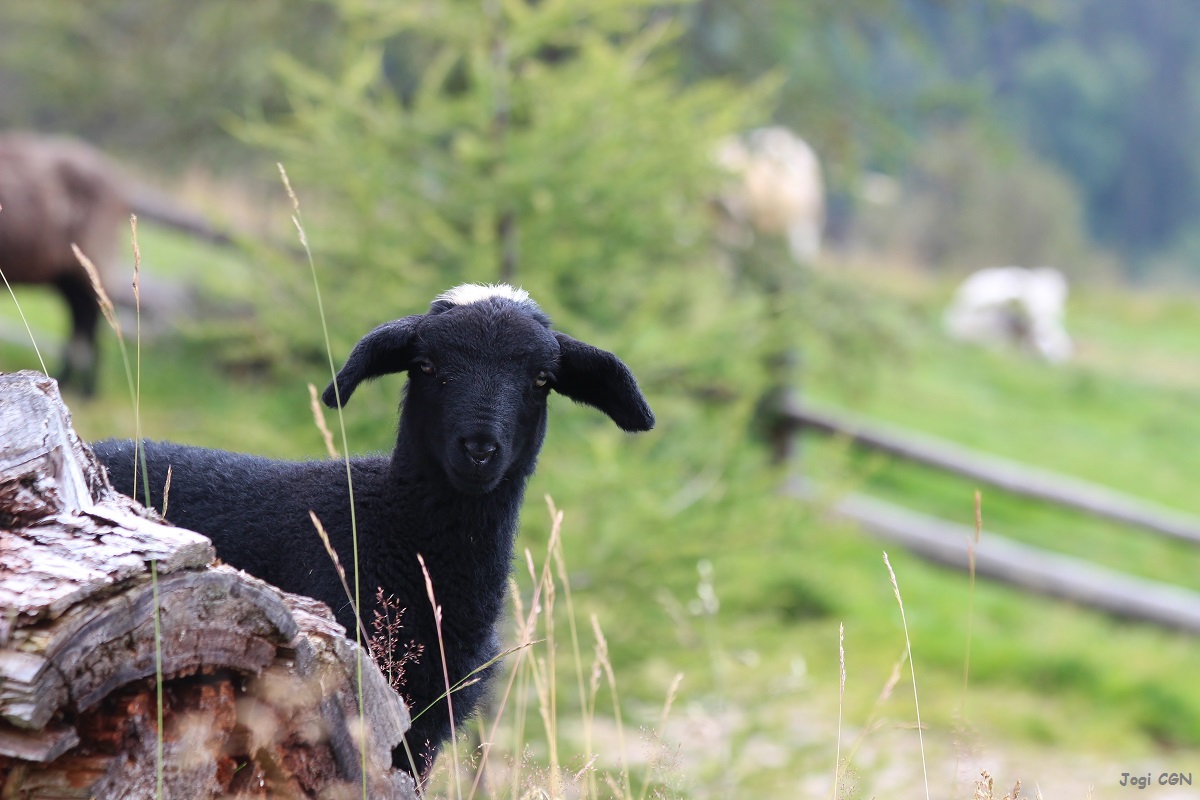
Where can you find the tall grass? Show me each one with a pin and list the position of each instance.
(534, 764)
(24, 321)
(971, 547)
(532, 674)
(437, 621)
(912, 668)
(972, 544)
(134, 383)
(359, 629)
(21, 312)
(837, 756)
(158, 682)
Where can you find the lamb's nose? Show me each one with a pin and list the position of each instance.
(480, 450)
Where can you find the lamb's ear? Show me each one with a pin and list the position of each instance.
(387, 349)
(593, 376)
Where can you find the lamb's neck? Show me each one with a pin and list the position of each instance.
(467, 540)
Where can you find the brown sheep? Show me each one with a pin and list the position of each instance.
(55, 192)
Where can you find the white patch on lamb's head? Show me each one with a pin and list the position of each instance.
(475, 292)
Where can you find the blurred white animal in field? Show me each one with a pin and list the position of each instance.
(779, 191)
(1013, 306)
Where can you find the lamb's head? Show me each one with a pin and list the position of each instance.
(481, 364)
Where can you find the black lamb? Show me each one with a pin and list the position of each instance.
(480, 366)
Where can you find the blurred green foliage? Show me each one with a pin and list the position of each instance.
(972, 199)
(1110, 92)
(1107, 92)
(827, 57)
(546, 144)
(159, 79)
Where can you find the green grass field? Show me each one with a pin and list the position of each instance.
(756, 713)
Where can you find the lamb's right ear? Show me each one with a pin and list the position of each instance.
(383, 351)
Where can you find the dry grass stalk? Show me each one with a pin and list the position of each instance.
(102, 298)
(319, 419)
(837, 758)
(873, 723)
(137, 293)
(341, 571)
(605, 663)
(490, 739)
(140, 455)
(532, 680)
(137, 253)
(166, 491)
(359, 631)
(912, 668)
(560, 565)
(540, 781)
(287, 185)
(971, 546)
(526, 625)
(519, 677)
(985, 788)
(24, 321)
(543, 670)
(437, 621)
(657, 733)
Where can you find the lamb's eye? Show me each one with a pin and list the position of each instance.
(542, 379)
(427, 366)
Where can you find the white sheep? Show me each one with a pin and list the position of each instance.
(1013, 306)
(778, 191)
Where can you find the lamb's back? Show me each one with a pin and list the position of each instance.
(255, 509)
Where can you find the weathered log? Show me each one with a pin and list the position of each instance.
(260, 690)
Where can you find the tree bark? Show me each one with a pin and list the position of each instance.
(260, 690)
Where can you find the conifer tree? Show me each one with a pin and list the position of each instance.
(549, 143)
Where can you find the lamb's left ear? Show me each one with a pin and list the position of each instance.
(593, 376)
(387, 349)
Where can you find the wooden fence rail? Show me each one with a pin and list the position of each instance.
(1074, 579)
(1054, 574)
(1000, 473)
